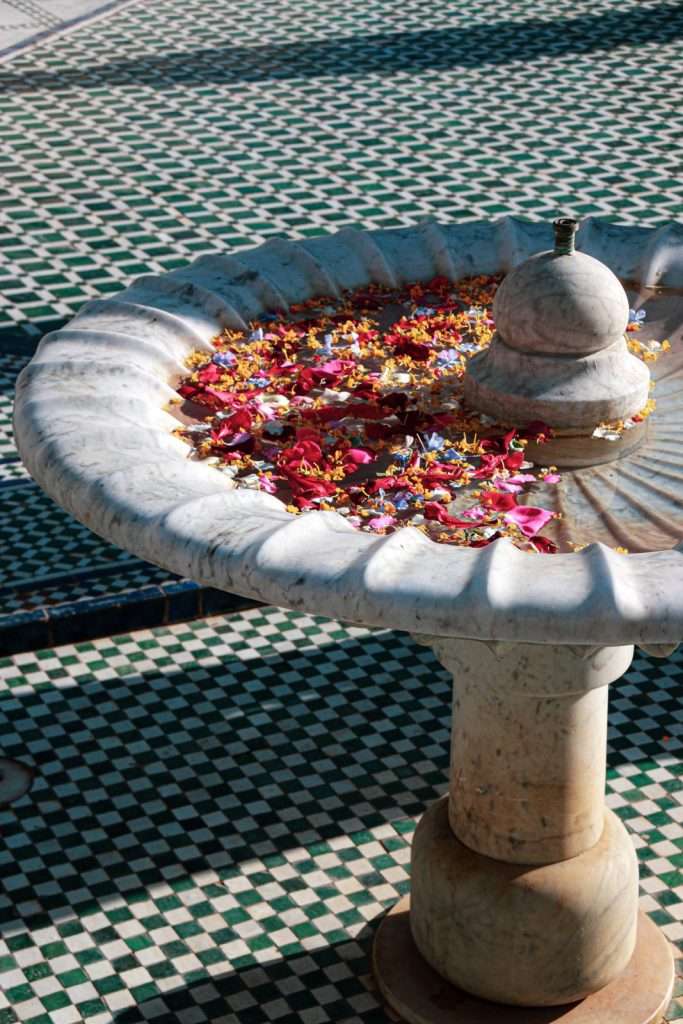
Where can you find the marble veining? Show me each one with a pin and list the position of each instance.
(91, 430)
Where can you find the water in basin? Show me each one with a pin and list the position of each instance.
(631, 502)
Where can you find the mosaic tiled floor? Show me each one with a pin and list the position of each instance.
(182, 127)
(176, 128)
(222, 811)
(24, 22)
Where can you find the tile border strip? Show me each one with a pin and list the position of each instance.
(75, 621)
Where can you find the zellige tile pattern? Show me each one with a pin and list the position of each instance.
(223, 810)
(144, 140)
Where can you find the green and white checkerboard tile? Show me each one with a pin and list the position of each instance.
(186, 126)
(223, 810)
(10, 365)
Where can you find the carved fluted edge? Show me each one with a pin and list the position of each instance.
(92, 432)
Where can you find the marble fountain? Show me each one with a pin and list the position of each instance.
(524, 886)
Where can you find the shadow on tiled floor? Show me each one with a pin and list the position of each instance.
(331, 983)
(442, 49)
(221, 808)
(216, 765)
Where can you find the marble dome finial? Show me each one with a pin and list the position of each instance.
(561, 301)
(559, 353)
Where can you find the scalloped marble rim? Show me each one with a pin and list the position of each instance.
(92, 432)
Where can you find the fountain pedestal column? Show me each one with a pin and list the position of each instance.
(524, 887)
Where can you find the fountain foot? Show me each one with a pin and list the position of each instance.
(527, 934)
(418, 995)
(524, 886)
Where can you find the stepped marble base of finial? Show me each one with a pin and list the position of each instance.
(416, 994)
(570, 394)
(573, 449)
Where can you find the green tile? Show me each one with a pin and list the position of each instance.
(91, 1008)
(19, 993)
(55, 1001)
(141, 993)
(107, 985)
(72, 977)
(88, 956)
(35, 971)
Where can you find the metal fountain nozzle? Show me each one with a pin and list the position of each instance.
(565, 235)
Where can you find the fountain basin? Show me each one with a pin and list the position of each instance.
(96, 388)
(526, 783)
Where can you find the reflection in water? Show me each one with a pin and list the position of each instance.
(635, 502)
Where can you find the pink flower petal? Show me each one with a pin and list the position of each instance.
(237, 439)
(476, 512)
(528, 518)
(551, 478)
(522, 478)
(513, 484)
(359, 455)
(335, 366)
(381, 522)
(264, 410)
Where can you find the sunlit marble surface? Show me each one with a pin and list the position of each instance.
(92, 431)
